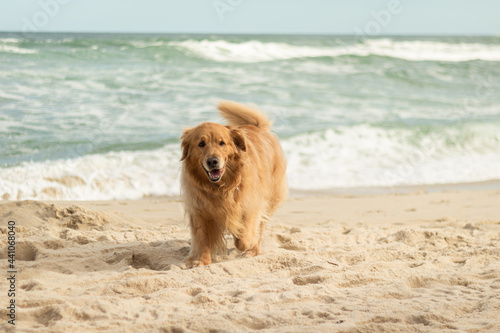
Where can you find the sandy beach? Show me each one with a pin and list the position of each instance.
(414, 262)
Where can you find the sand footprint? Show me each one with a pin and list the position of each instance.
(288, 241)
(311, 279)
(26, 251)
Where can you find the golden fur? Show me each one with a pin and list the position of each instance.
(250, 187)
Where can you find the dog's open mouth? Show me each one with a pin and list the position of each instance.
(214, 174)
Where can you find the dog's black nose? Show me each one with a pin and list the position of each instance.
(212, 162)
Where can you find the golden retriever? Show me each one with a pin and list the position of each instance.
(232, 180)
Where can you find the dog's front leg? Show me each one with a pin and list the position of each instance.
(199, 254)
(249, 240)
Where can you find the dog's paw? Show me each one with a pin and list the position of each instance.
(250, 253)
(191, 262)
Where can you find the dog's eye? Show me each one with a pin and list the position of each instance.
(222, 143)
(201, 144)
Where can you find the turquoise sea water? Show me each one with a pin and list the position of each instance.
(99, 116)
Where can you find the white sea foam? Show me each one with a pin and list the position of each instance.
(123, 175)
(432, 51)
(4, 95)
(9, 40)
(144, 44)
(15, 49)
(250, 51)
(364, 156)
(257, 51)
(348, 157)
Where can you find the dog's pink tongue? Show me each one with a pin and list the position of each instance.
(215, 173)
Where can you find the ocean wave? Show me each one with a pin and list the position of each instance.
(7, 96)
(432, 50)
(145, 44)
(251, 51)
(257, 51)
(115, 175)
(367, 156)
(15, 49)
(345, 157)
(9, 40)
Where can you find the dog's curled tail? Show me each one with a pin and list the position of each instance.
(238, 114)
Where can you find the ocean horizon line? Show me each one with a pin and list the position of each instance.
(340, 35)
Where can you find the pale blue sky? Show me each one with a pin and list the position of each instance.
(370, 17)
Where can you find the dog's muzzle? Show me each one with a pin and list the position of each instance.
(213, 169)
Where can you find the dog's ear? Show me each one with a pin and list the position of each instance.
(185, 144)
(239, 139)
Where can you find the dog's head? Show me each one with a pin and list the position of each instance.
(210, 151)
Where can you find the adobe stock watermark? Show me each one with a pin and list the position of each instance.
(48, 9)
(484, 89)
(95, 137)
(223, 6)
(380, 19)
(429, 146)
